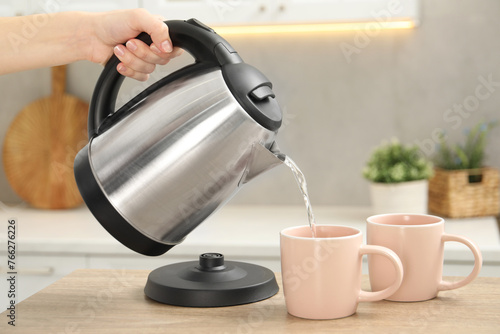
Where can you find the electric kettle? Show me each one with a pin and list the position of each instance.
(161, 164)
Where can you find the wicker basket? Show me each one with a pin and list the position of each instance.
(464, 193)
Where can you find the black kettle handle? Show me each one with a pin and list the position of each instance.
(193, 36)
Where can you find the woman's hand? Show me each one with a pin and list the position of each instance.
(110, 30)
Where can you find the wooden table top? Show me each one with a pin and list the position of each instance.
(113, 301)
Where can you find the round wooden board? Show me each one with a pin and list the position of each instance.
(39, 150)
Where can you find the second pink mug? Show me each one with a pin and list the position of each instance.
(418, 240)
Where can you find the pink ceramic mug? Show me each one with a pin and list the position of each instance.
(322, 275)
(419, 242)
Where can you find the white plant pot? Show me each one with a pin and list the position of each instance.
(404, 197)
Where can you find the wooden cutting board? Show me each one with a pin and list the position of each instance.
(41, 144)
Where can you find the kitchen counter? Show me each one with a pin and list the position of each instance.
(112, 301)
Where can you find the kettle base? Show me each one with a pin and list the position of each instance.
(210, 282)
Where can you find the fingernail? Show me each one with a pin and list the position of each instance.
(119, 51)
(166, 46)
(120, 67)
(131, 46)
(155, 49)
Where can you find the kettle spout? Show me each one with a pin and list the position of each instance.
(262, 159)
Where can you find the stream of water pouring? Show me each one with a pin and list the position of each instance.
(301, 181)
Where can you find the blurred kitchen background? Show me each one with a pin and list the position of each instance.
(342, 92)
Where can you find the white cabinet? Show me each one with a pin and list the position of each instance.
(27, 7)
(35, 272)
(140, 262)
(13, 7)
(263, 12)
(83, 5)
(211, 11)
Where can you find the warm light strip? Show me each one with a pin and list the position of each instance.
(323, 27)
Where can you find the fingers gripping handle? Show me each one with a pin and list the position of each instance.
(366, 296)
(478, 262)
(193, 36)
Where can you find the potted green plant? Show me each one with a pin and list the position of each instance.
(462, 185)
(398, 176)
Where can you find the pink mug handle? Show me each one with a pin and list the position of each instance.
(478, 262)
(367, 296)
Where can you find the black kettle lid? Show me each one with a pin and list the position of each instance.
(254, 92)
(210, 282)
(251, 88)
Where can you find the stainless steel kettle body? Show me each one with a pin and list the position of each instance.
(155, 169)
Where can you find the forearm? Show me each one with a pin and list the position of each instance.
(43, 40)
